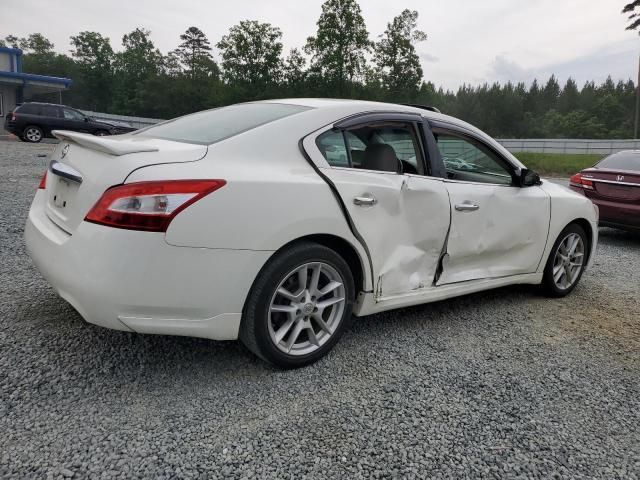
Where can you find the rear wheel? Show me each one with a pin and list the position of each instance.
(32, 134)
(101, 133)
(567, 261)
(298, 306)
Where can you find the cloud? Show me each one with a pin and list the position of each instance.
(429, 58)
(616, 60)
(504, 70)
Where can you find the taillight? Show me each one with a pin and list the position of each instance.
(148, 206)
(43, 181)
(579, 181)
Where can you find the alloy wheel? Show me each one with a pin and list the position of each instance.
(306, 308)
(568, 261)
(33, 134)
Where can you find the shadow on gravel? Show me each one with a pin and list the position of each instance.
(616, 237)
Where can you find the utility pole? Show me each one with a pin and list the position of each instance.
(635, 125)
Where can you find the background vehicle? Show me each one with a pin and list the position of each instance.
(33, 121)
(613, 184)
(273, 221)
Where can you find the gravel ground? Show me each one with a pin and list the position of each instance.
(503, 384)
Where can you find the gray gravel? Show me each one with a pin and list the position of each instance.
(504, 384)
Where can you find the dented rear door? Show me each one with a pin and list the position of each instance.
(505, 235)
(403, 220)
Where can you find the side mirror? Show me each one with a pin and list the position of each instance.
(529, 178)
(86, 119)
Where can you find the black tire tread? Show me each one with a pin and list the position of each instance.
(262, 287)
(549, 287)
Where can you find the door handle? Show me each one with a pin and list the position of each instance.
(467, 207)
(365, 201)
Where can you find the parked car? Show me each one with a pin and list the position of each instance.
(613, 184)
(237, 223)
(32, 121)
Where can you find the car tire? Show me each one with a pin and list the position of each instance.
(101, 133)
(32, 134)
(313, 322)
(561, 274)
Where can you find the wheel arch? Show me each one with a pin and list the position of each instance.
(586, 226)
(343, 248)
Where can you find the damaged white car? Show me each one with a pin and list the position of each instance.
(273, 222)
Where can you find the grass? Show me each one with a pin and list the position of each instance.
(557, 164)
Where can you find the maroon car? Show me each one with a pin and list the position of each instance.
(613, 184)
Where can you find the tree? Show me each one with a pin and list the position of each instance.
(340, 44)
(134, 66)
(251, 55)
(294, 69)
(94, 58)
(395, 55)
(194, 53)
(633, 8)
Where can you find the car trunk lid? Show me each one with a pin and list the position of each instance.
(617, 185)
(84, 166)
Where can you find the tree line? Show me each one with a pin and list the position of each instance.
(340, 60)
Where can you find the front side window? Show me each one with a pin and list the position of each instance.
(72, 115)
(468, 160)
(388, 147)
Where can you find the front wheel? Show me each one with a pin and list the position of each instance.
(298, 306)
(101, 133)
(567, 261)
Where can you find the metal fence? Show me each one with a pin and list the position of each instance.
(545, 145)
(135, 122)
(540, 145)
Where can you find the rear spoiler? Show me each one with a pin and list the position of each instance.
(112, 146)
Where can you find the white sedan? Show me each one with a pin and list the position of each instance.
(273, 222)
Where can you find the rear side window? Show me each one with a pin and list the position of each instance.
(621, 161)
(388, 147)
(218, 124)
(29, 109)
(50, 111)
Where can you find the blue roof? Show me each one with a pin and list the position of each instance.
(30, 77)
(15, 51)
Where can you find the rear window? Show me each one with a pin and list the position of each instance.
(218, 124)
(621, 161)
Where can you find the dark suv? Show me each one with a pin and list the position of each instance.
(32, 121)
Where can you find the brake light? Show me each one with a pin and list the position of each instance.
(148, 206)
(579, 181)
(43, 181)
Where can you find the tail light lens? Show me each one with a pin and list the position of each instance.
(149, 206)
(43, 181)
(579, 181)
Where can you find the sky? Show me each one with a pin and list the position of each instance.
(469, 41)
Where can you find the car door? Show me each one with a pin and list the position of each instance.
(400, 215)
(51, 117)
(74, 120)
(498, 228)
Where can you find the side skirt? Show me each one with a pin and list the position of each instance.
(367, 304)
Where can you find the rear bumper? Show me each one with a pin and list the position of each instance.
(135, 281)
(617, 213)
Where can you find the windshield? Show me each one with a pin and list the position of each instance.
(218, 124)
